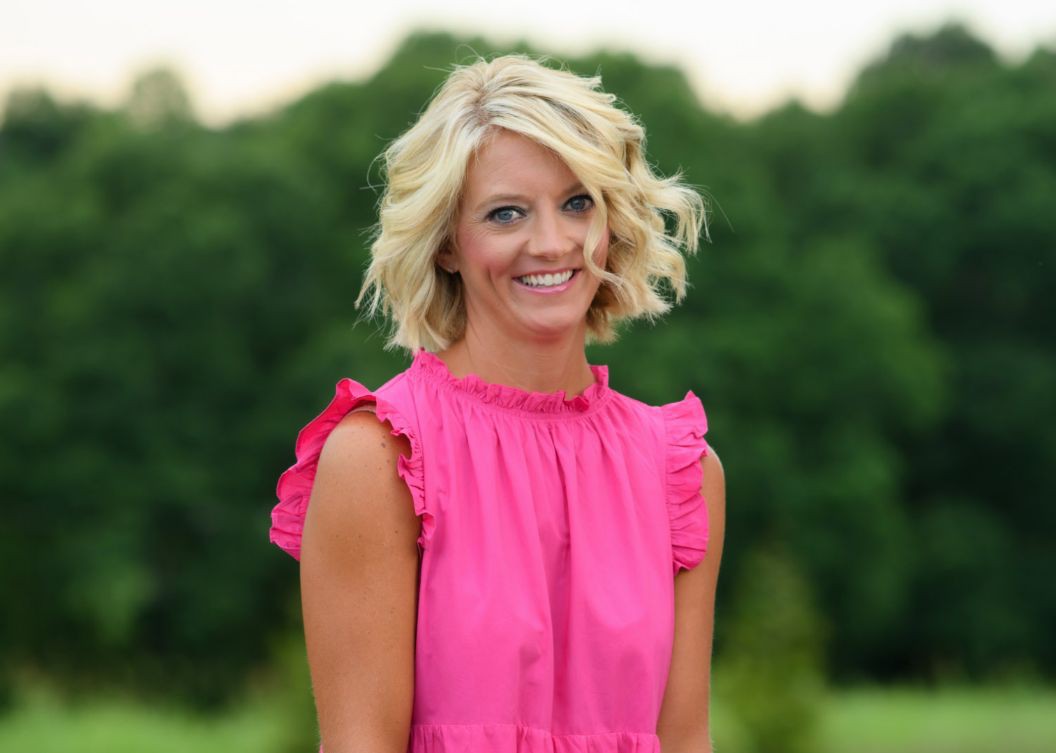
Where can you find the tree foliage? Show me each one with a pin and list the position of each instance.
(870, 332)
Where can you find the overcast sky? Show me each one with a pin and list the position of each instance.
(239, 57)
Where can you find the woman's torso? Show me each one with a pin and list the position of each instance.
(551, 531)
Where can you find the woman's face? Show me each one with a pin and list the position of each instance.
(523, 216)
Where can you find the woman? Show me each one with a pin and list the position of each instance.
(501, 552)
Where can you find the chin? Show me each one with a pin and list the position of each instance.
(555, 328)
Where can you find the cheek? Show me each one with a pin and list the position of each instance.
(484, 255)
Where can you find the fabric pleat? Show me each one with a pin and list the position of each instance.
(686, 424)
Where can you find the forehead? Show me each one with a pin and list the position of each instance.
(511, 162)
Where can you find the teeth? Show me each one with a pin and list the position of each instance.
(545, 281)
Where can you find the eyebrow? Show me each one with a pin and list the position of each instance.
(577, 186)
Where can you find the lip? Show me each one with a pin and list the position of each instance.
(552, 290)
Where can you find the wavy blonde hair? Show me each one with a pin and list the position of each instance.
(603, 145)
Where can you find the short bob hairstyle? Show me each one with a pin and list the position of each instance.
(602, 145)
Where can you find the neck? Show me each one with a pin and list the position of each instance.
(544, 365)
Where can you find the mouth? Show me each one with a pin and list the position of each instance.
(552, 280)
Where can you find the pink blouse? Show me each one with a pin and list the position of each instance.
(551, 532)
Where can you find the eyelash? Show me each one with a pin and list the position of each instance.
(492, 215)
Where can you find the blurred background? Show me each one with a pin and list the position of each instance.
(185, 203)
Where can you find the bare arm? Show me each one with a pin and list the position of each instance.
(684, 726)
(359, 589)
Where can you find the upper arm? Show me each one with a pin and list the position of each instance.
(684, 725)
(359, 586)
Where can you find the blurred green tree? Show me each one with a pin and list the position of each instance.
(870, 332)
(772, 673)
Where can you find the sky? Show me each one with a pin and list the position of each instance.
(241, 57)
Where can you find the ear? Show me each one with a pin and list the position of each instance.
(446, 259)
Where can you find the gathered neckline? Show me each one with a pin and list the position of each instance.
(430, 365)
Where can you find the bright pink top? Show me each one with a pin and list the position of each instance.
(551, 532)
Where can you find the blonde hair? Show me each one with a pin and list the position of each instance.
(603, 145)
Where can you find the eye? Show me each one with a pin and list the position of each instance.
(581, 203)
(504, 215)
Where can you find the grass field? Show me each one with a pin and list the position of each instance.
(866, 720)
(42, 724)
(970, 720)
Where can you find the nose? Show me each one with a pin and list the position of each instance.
(550, 238)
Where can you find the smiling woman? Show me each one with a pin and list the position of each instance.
(574, 128)
(499, 552)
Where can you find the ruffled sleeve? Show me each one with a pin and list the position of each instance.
(295, 484)
(685, 425)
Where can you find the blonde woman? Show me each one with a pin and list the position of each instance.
(499, 552)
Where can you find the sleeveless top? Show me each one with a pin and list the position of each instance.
(552, 529)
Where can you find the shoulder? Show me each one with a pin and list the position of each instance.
(400, 388)
(350, 462)
(406, 395)
(358, 500)
(688, 408)
(360, 440)
(712, 466)
(713, 485)
(639, 410)
(359, 454)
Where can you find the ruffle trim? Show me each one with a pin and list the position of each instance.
(516, 738)
(295, 484)
(685, 426)
(431, 366)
